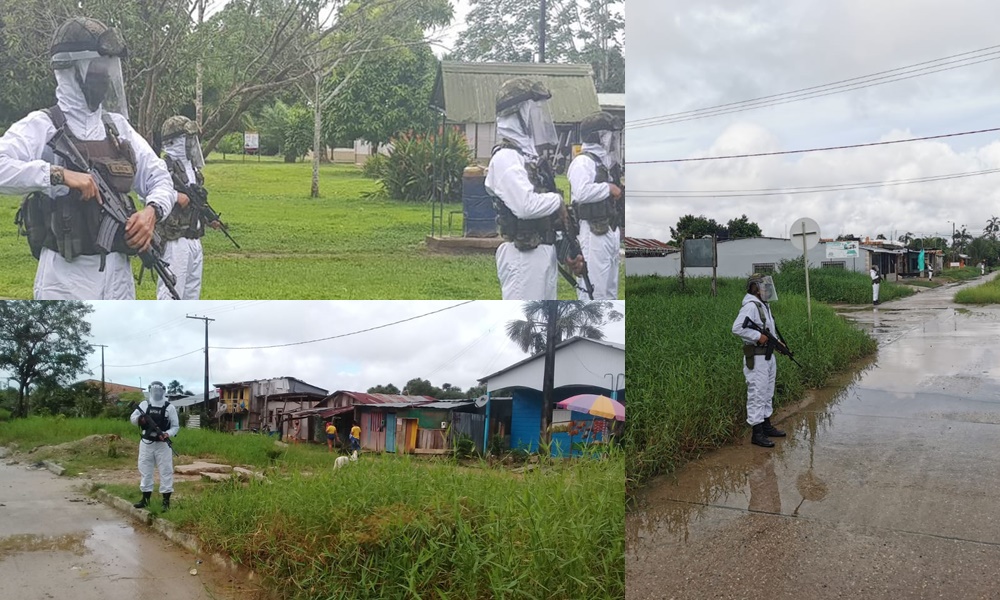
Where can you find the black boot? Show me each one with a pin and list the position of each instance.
(759, 438)
(771, 430)
(145, 500)
(166, 502)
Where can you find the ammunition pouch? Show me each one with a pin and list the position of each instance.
(526, 234)
(751, 351)
(601, 216)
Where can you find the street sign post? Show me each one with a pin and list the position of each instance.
(805, 235)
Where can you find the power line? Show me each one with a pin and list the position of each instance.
(918, 139)
(155, 362)
(802, 190)
(333, 337)
(855, 83)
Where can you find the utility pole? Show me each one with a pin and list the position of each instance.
(541, 33)
(548, 376)
(206, 320)
(104, 392)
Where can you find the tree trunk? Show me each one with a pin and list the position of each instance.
(22, 404)
(548, 374)
(317, 126)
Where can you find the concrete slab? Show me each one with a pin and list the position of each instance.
(202, 467)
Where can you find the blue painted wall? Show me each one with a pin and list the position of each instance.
(526, 419)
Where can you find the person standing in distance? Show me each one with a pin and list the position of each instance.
(154, 452)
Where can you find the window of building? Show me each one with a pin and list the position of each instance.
(560, 416)
(763, 268)
(833, 264)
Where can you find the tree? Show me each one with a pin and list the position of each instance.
(601, 24)
(174, 388)
(507, 31)
(742, 228)
(476, 391)
(906, 238)
(383, 389)
(880, 237)
(77, 400)
(992, 228)
(690, 226)
(43, 342)
(575, 318)
(983, 249)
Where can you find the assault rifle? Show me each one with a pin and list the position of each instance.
(617, 174)
(568, 245)
(116, 210)
(773, 343)
(151, 424)
(199, 196)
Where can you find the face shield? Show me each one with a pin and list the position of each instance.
(767, 291)
(100, 80)
(193, 148)
(157, 391)
(612, 142)
(541, 127)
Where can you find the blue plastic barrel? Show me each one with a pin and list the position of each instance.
(479, 216)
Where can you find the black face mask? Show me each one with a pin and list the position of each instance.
(95, 87)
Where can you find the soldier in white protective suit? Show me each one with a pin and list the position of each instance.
(530, 209)
(184, 227)
(759, 369)
(154, 451)
(595, 197)
(61, 216)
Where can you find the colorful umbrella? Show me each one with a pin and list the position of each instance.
(596, 405)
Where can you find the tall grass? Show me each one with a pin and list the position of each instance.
(834, 285)
(687, 391)
(987, 293)
(961, 274)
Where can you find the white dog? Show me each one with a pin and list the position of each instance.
(343, 460)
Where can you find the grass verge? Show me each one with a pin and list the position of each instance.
(834, 285)
(391, 527)
(987, 293)
(962, 274)
(687, 391)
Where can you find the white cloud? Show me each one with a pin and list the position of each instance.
(694, 55)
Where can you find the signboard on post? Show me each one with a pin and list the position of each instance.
(251, 143)
(805, 235)
(700, 252)
(843, 250)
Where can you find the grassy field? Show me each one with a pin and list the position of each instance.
(339, 246)
(388, 526)
(962, 274)
(835, 285)
(987, 293)
(687, 391)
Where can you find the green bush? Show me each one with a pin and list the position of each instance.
(183, 419)
(374, 167)
(987, 293)
(464, 446)
(231, 143)
(410, 173)
(684, 402)
(4, 414)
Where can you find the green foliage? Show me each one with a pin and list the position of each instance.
(573, 318)
(742, 228)
(43, 342)
(464, 446)
(232, 143)
(5, 414)
(383, 389)
(983, 248)
(375, 167)
(987, 293)
(960, 274)
(118, 411)
(299, 133)
(416, 163)
(183, 418)
(375, 251)
(496, 447)
(683, 403)
(833, 285)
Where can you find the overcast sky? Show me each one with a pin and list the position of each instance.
(456, 346)
(691, 55)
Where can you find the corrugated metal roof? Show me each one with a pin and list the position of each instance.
(446, 405)
(467, 91)
(393, 405)
(612, 101)
(560, 345)
(364, 398)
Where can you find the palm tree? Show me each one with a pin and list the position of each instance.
(992, 228)
(174, 388)
(576, 318)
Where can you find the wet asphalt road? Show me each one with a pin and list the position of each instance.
(887, 485)
(52, 547)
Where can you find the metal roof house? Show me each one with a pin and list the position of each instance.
(467, 94)
(582, 366)
(250, 405)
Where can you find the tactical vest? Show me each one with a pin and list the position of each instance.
(66, 224)
(600, 216)
(182, 222)
(159, 416)
(526, 234)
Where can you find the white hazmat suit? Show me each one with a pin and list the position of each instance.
(531, 274)
(760, 379)
(600, 251)
(154, 455)
(875, 283)
(24, 167)
(184, 255)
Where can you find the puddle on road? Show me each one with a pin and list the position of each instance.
(22, 543)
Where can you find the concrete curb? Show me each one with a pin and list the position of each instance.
(55, 468)
(168, 530)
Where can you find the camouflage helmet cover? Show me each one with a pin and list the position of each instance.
(754, 280)
(178, 125)
(82, 37)
(519, 90)
(597, 122)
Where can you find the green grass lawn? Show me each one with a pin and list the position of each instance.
(339, 246)
(387, 526)
(687, 390)
(987, 293)
(961, 274)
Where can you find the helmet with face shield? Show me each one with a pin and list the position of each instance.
(94, 52)
(528, 100)
(603, 129)
(181, 133)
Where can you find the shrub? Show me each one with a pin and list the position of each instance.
(464, 446)
(231, 143)
(374, 167)
(410, 173)
(4, 414)
(183, 418)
